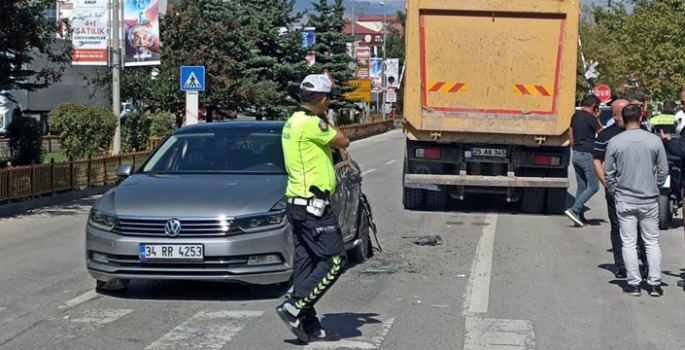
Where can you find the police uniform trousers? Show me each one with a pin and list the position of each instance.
(319, 259)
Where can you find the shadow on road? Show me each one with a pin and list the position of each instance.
(345, 324)
(72, 208)
(198, 291)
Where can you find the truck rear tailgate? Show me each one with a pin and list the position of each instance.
(497, 66)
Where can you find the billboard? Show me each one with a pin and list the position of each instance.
(88, 21)
(375, 73)
(308, 40)
(362, 68)
(141, 33)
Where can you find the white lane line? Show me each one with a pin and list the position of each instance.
(206, 330)
(391, 161)
(498, 334)
(357, 343)
(478, 285)
(368, 171)
(80, 299)
(99, 317)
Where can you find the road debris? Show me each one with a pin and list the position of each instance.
(428, 240)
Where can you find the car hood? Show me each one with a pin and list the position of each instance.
(194, 195)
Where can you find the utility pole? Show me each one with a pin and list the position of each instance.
(116, 72)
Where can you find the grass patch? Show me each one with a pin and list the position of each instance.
(58, 156)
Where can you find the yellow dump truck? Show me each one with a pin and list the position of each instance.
(489, 94)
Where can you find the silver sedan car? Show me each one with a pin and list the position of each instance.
(208, 204)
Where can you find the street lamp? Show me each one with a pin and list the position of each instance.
(353, 7)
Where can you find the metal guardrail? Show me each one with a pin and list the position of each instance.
(40, 180)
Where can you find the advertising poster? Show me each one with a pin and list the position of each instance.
(363, 56)
(308, 40)
(141, 33)
(375, 70)
(89, 37)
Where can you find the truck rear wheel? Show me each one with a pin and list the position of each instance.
(665, 212)
(556, 200)
(413, 198)
(533, 201)
(436, 200)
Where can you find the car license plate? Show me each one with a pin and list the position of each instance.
(489, 152)
(171, 252)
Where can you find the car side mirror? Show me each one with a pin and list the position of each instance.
(124, 170)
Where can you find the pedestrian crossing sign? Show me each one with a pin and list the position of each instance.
(192, 78)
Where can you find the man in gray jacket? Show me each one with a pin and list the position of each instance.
(634, 168)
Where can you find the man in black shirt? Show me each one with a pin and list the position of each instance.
(584, 126)
(598, 154)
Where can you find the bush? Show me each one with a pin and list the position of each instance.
(25, 143)
(163, 124)
(83, 131)
(135, 131)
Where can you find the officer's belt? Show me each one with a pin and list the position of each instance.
(299, 201)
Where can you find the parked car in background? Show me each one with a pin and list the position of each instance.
(208, 204)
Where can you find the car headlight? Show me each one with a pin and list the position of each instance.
(259, 222)
(102, 221)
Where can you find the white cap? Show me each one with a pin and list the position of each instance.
(316, 83)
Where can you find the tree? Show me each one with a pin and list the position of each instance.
(394, 46)
(331, 49)
(25, 32)
(210, 33)
(82, 130)
(279, 61)
(646, 42)
(25, 140)
(135, 83)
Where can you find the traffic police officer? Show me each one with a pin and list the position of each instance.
(319, 248)
(666, 120)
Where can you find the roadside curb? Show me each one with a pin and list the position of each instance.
(12, 209)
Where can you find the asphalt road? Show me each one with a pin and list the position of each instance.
(501, 280)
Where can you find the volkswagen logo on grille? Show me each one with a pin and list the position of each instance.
(172, 228)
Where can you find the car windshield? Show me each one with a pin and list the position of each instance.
(238, 151)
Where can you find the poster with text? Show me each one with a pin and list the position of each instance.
(363, 55)
(141, 33)
(89, 37)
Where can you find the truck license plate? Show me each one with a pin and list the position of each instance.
(170, 252)
(489, 152)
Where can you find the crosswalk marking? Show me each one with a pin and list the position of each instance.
(99, 317)
(90, 295)
(357, 343)
(205, 330)
(498, 334)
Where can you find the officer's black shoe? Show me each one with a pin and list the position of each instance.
(621, 272)
(656, 291)
(293, 323)
(632, 290)
(321, 334)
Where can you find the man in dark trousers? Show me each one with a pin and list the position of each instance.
(598, 162)
(319, 248)
(584, 126)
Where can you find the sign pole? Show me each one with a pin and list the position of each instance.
(192, 102)
(192, 82)
(116, 71)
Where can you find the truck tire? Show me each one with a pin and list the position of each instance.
(556, 200)
(413, 198)
(436, 200)
(533, 201)
(665, 212)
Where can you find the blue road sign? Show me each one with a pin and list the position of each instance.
(192, 78)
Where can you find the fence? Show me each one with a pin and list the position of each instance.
(29, 182)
